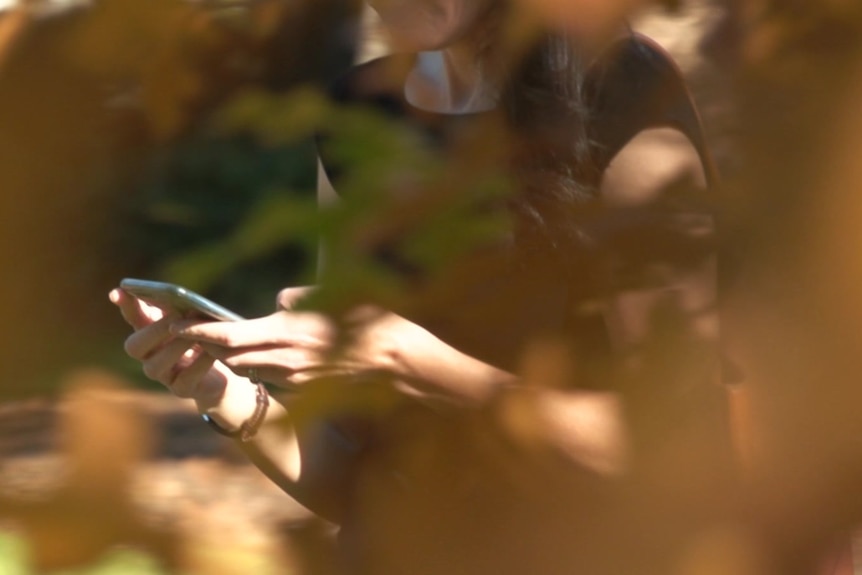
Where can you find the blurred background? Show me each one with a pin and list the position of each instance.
(113, 163)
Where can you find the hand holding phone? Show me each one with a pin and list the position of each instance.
(171, 296)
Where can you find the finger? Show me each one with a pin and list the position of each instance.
(276, 363)
(130, 308)
(267, 356)
(187, 381)
(144, 342)
(289, 296)
(164, 365)
(137, 313)
(279, 366)
(276, 329)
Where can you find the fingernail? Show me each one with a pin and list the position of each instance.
(114, 296)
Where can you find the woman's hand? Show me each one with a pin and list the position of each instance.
(178, 364)
(290, 347)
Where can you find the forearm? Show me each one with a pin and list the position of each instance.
(303, 450)
(585, 427)
(434, 368)
(305, 456)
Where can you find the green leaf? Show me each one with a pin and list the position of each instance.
(13, 555)
(273, 118)
(275, 220)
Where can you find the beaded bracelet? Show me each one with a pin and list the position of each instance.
(250, 426)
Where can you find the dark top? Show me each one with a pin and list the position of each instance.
(492, 313)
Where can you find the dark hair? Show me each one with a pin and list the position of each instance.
(545, 102)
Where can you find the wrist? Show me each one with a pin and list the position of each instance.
(248, 428)
(396, 338)
(234, 407)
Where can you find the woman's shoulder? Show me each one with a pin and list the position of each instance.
(637, 50)
(633, 61)
(634, 86)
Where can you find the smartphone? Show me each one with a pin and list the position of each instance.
(171, 296)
